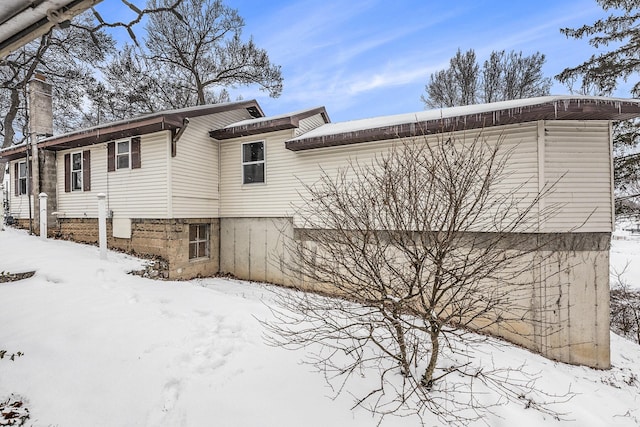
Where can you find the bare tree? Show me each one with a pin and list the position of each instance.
(418, 245)
(66, 56)
(503, 76)
(457, 85)
(205, 51)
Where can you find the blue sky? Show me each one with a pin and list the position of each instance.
(367, 58)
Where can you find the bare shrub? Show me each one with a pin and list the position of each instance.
(419, 245)
(625, 308)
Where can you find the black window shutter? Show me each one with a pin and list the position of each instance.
(111, 156)
(16, 178)
(135, 153)
(30, 189)
(86, 170)
(67, 173)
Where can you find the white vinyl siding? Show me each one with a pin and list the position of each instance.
(310, 123)
(579, 149)
(18, 205)
(194, 169)
(131, 193)
(578, 155)
(286, 168)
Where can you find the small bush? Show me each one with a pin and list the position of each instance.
(625, 310)
(13, 411)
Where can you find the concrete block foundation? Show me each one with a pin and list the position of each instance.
(164, 238)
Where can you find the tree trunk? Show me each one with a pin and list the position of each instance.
(9, 133)
(427, 377)
(399, 331)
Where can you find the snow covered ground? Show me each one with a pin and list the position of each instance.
(105, 348)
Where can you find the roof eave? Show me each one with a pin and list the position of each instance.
(265, 126)
(13, 153)
(99, 135)
(51, 18)
(578, 109)
(139, 126)
(253, 129)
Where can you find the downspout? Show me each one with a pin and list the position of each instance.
(177, 136)
(219, 210)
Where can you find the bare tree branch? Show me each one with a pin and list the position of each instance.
(419, 248)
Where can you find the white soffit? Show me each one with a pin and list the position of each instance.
(22, 21)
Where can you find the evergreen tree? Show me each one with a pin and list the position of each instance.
(602, 73)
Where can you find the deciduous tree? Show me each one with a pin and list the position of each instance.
(416, 247)
(503, 76)
(204, 51)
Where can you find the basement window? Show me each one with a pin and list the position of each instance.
(253, 162)
(198, 241)
(76, 172)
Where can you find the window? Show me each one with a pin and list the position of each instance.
(76, 172)
(252, 162)
(22, 178)
(123, 153)
(198, 241)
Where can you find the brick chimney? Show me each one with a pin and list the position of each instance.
(43, 162)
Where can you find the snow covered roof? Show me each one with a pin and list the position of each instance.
(147, 123)
(560, 107)
(267, 124)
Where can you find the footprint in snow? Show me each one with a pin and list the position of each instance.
(170, 395)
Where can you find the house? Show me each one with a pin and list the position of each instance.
(210, 189)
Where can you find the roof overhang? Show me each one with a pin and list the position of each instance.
(166, 120)
(468, 117)
(267, 124)
(22, 21)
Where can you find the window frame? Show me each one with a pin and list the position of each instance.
(206, 239)
(118, 155)
(262, 162)
(22, 179)
(79, 172)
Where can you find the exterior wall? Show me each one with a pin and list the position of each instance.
(131, 193)
(567, 313)
(18, 205)
(164, 238)
(285, 169)
(572, 157)
(253, 248)
(308, 124)
(562, 303)
(578, 156)
(44, 173)
(194, 171)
